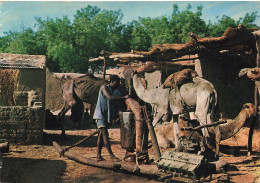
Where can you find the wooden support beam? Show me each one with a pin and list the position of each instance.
(129, 167)
(96, 59)
(105, 53)
(203, 126)
(104, 68)
(134, 56)
(152, 134)
(254, 121)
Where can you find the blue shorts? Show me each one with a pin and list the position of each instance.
(102, 123)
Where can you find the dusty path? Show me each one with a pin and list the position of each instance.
(41, 163)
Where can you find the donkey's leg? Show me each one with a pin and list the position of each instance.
(217, 139)
(77, 112)
(61, 115)
(202, 108)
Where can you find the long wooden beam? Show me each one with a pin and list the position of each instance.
(130, 167)
(252, 125)
(203, 126)
(143, 169)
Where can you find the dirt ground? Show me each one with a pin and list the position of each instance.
(41, 163)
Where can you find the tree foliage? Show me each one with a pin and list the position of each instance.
(183, 22)
(69, 44)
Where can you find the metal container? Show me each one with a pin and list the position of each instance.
(127, 131)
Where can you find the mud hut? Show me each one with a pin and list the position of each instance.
(22, 98)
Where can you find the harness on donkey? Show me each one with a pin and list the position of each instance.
(176, 80)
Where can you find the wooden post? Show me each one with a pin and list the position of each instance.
(104, 68)
(106, 55)
(153, 135)
(252, 125)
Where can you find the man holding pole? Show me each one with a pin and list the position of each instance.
(105, 113)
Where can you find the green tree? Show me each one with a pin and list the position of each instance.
(127, 37)
(69, 45)
(184, 22)
(23, 42)
(57, 38)
(217, 29)
(248, 20)
(141, 39)
(4, 43)
(157, 29)
(97, 30)
(174, 29)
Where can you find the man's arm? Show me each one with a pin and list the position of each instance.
(110, 97)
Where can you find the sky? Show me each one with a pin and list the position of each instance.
(17, 14)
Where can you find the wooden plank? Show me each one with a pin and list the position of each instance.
(96, 59)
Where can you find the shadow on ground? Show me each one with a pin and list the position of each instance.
(31, 170)
(69, 140)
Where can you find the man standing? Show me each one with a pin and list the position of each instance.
(105, 113)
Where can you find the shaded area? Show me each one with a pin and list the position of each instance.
(31, 170)
(41, 163)
(70, 139)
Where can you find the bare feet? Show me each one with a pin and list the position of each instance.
(114, 159)
(100, 159)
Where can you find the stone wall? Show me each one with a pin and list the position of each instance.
(21, 124)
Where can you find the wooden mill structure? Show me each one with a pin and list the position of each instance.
(218, 60)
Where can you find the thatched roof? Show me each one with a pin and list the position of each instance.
(239, 40)
(20, 61)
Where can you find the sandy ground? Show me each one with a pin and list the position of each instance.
(41, 163)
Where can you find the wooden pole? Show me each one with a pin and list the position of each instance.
(252, 125)
(153, 135)
(129, 167)
(81, 141)
(203, 126)
(105, 67)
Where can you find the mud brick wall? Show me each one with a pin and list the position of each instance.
(222, 71)
(21, 124)
(54, 100)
